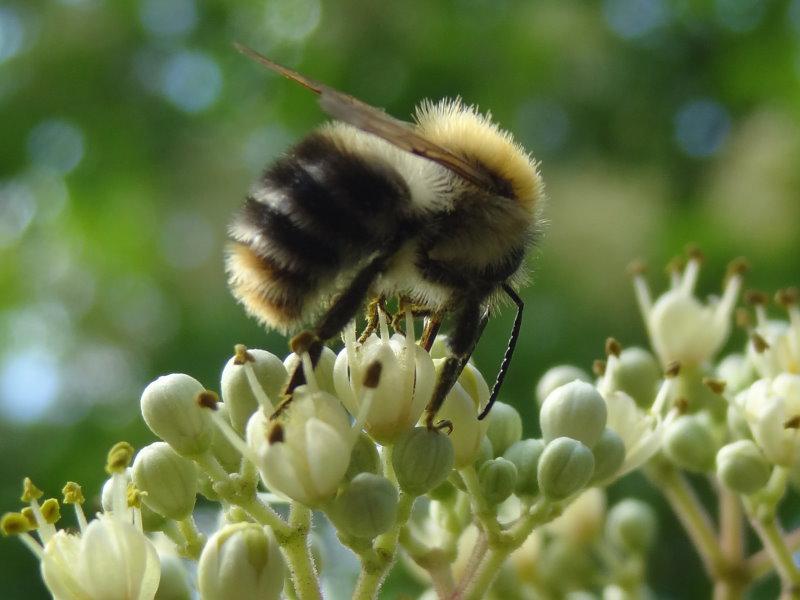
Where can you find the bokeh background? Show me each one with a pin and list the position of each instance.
(130, 130)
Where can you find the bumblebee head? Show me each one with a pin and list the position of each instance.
(463, 130)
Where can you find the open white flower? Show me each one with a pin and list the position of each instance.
(774, 346)
(772, 409)
(305, 455)
(405, 387)
(109, 558)
(681, 328)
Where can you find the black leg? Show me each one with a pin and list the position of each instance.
(333, 321)
(432, 325)
(468, 329)
(512, 344)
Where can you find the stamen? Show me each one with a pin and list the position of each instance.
(73, 494)
(308, 371)
(119, 495)
(371, 380)
(690, 274)
(227, 430)
(664, 395)
(674, 269)
(410, 351)
(384, 327)
(32, 544)
(641, 289)
(255, 386)
(724, 308)
(352, 362)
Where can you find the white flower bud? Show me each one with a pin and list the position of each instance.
(237, 391)
(422, 459)
(110, 559)
(323, 371)
(565, 467)
(497, 479)
(404, 389)
(632, 525)
(305, 455)
(505, 427)
(609, 455)
(169, 407)
(241, 562)
(525, 455)
(636, 372)
(575, 410)
(689, 443)
(168, 480)
(742, 467)
(557, 376)
(366, 507)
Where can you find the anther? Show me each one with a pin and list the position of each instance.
(759, 343)
(119, 457)
(599, 367)
(694, 253)
(373, 375)
(738, 266)
(613, 347)
(637, 268)
(29, 491)
(787, 297)
(673, 369)
(275, 434)
(241, 355)
(715, 385)
(207, 399)
(756, 298)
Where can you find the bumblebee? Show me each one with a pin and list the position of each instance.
(440, 212)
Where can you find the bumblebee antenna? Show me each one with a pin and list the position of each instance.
(512, 344)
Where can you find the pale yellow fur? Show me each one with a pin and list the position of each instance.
(461, 128)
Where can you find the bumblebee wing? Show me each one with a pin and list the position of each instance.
(373, 120)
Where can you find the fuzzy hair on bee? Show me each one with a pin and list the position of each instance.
(440, 212)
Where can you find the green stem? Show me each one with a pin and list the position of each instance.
(304, 576)
(738, 578)
(487, 570)
(194, 539)
(692, 515)
(760, 563)
(484, 513)
(770, 535)
(376, 562)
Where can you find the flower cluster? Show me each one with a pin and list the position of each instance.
(455, 505)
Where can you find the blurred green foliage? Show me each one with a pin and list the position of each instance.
(131, 130)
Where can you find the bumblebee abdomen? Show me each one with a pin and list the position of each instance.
(315, 215)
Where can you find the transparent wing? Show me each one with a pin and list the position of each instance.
(353, 111)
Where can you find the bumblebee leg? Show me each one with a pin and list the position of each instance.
(432, 325)
(373, 307)
(468, 329)
(512, 343)
(333, 321)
